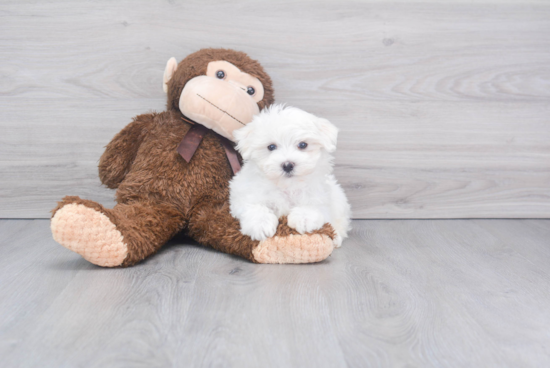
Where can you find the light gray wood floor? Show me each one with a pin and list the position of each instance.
(405, 293)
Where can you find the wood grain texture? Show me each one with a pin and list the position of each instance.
(443, 108)
(399, 293)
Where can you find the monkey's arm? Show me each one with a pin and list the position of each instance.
(121, 151)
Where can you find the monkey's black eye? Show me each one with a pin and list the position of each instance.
(272, 147)
(302, 145)
(220, 74)
(250, 91)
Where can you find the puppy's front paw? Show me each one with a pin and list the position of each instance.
(260, 226)
(305, 220)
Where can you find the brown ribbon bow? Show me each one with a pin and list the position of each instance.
(193, 138)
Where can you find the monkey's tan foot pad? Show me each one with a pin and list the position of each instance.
(294, 249)
(89, 233)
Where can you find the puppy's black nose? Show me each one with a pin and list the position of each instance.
(288, 166)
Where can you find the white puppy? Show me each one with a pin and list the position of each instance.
(288, 171)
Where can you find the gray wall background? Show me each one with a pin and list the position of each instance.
(444, 108)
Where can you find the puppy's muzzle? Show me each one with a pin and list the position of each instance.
(288, 167)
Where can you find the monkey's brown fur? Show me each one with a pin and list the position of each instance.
(159, 194)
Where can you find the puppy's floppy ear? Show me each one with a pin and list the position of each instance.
(171, 67)
(328, 134)
(243, 138)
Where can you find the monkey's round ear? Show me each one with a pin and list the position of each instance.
(171, 67)
(328, 132)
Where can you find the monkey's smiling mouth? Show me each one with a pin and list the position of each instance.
(225, 112)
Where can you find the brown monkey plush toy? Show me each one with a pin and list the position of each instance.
(172, 169)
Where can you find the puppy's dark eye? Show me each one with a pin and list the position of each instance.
(272, 147)
(220, 74)
(302, 145)
(250, 91)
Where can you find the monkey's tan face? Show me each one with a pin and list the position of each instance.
(223, 100)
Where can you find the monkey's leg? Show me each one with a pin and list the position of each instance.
(121, 236)
(211, 224)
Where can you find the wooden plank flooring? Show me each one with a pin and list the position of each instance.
(443, 107)
(415, 293)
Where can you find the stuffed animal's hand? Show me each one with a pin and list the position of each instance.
(119, 154)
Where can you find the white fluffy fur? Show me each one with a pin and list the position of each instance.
(310, 196)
